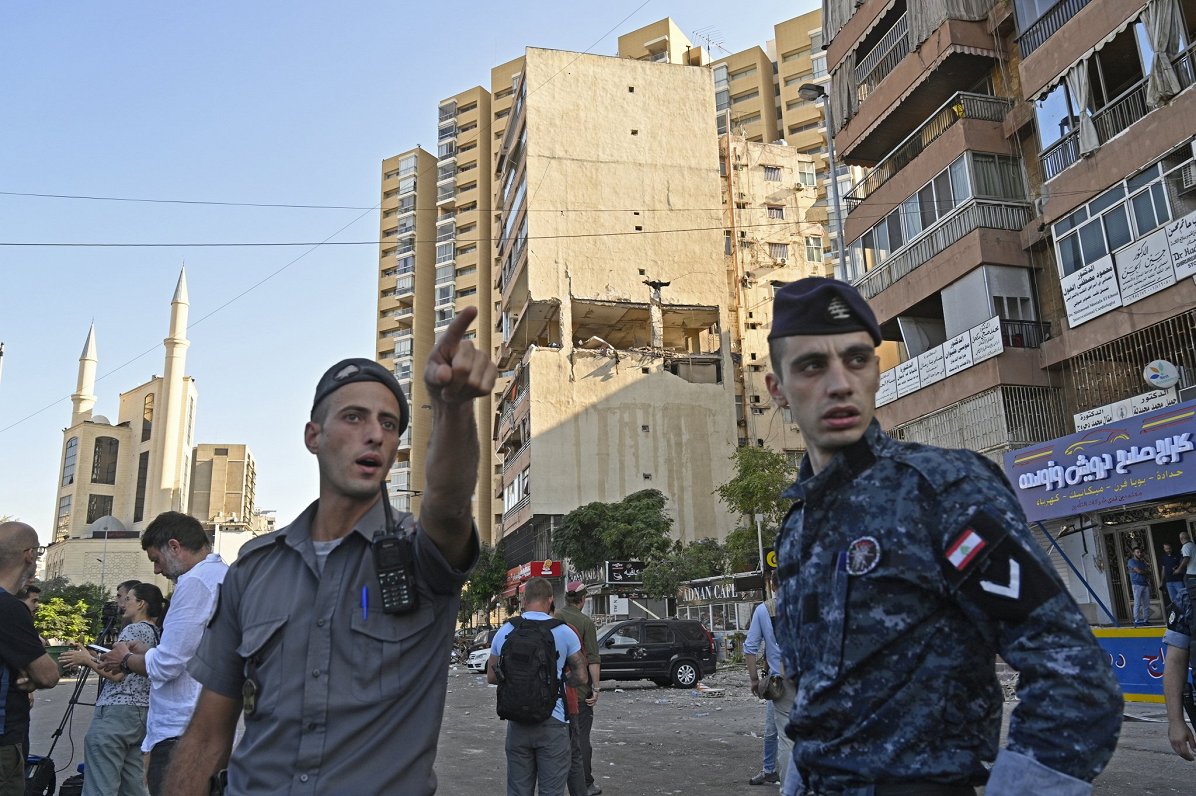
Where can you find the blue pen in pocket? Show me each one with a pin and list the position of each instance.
(365, 602)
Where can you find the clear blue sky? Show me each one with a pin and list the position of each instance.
(266, 102)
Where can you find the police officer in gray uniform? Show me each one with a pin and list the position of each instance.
(331, 634)
(905, 570)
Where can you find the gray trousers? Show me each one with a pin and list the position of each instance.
(112, 750)
(538, 754)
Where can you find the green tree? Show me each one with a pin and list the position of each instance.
(761, 475)
(90, 594)
(635, 528)
(58, 619)
(743, 550)
(487, 580)
(704, 558)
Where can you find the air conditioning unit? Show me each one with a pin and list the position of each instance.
(1187, 178)
(782, 261)
(1187, 394)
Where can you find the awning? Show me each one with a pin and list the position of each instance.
(1049, 87)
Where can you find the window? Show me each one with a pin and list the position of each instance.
(776, 211)
(744, 97)
(64, 514)
(813, 249)
(722, 99)
(103, 462)
(142, 478)
(819, 64)
(147, 417)
(1103, 226)
(727, 242)
(996, 176)
(98, 506)
(444, 294)
(742, 73)
(469, 291)
(806, 175)
(68, 461)
(772, 173)
(778, 251)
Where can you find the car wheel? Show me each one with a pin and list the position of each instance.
(685, 674)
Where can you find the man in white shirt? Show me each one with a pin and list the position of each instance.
(179, 548)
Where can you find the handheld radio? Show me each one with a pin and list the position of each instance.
(394, 562)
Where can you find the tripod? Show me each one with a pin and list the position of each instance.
(40, 775)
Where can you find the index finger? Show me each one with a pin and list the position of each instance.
(456, 330)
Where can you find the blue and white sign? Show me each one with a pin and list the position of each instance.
(1145, 457)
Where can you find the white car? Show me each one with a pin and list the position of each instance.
(477, 660)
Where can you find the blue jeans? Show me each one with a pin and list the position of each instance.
(538, 754)
(1141, 604)
(112, 750)
(770, 738)
(1174, 589)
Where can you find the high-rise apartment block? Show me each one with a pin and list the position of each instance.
(1024, 229)
(622, 255)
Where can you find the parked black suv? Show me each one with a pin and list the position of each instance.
(676, 651)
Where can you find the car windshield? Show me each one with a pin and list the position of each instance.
(482, 638)
(605, 629)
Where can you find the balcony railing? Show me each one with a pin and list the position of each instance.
(445, 192)
(1113, 119)
(447, 132)
(448, 111)
(962, 106)
(887, 53)
(1025, 334)
(980, 213)
(1045, 26)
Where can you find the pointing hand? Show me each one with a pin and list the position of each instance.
(457, 371)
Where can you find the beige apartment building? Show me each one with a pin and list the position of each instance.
(1024, 232)
(406, 277)
(614, 324)
(769, 240)
(115, 477)
(223, 491)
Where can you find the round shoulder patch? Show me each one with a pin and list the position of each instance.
(863, 555)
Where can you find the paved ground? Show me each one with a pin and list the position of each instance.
(650, 740)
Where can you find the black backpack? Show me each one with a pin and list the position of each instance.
(529, 679)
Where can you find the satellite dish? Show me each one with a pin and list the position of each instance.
(1161, 374)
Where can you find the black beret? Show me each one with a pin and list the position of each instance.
(817, 305)
(348, 371)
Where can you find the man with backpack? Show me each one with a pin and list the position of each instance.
(527, 662)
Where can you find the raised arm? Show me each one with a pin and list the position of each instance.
(456, 373)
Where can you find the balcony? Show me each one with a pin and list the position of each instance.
(991, 422)
(448, 111)
(1047, 25)
(446, 194)
(962, 106)
(976, 214)
(447, 132)
(881, 60)
(900, 87)
(1113, 119)
(405, 285)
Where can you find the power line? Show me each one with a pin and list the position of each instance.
(266, 244)
(216, 203)
(196, 322)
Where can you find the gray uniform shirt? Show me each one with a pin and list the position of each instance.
(349, 699)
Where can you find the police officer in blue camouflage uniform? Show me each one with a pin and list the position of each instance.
(1177, 688)
(905, 570)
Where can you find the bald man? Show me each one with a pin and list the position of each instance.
(24, 664)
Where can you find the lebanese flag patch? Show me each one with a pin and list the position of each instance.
(964, 549)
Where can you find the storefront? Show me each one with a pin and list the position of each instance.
(1097, 494)
(518, 576)
(615, 590)
(724, 604)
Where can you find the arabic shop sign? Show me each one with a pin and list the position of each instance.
(625, 572)
(1137, 657)
(1143, 268)
(1141, 458)
(983, 341)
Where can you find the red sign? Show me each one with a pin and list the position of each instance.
(517, 576)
